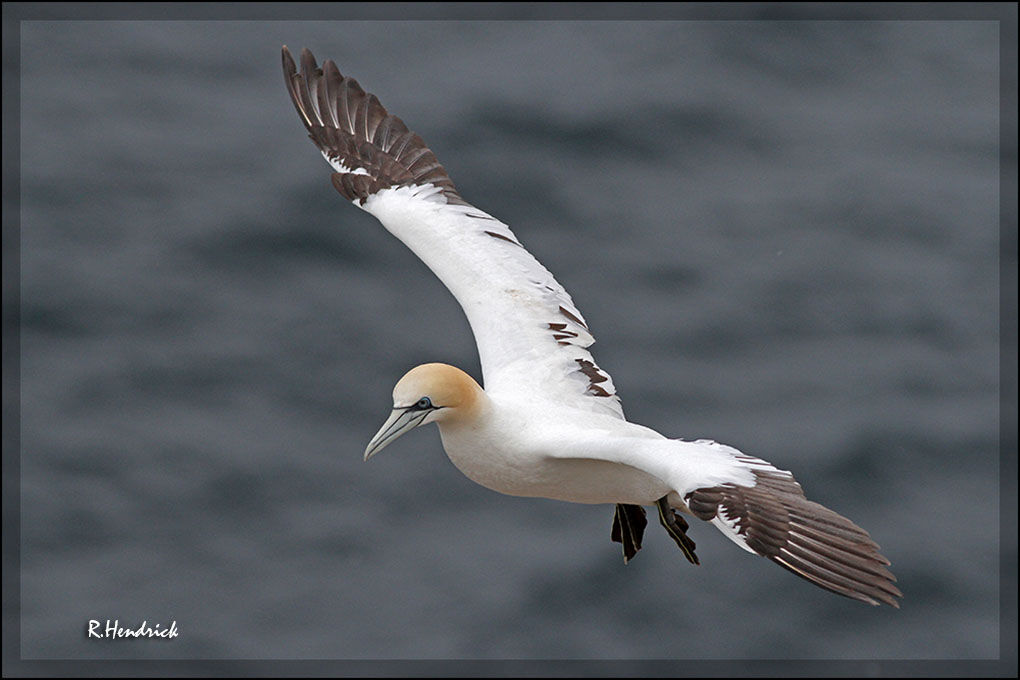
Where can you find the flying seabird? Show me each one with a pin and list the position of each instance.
(549, 422)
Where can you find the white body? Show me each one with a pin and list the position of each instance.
(552, 453)
(524, 448)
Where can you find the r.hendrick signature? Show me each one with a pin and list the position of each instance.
(113, 630)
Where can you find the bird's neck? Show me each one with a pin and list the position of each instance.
(475, 408)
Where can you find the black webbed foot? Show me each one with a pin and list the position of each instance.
(677, 528)
(628, 527)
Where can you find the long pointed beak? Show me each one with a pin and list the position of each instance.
(400, 421)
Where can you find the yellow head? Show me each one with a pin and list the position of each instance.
(427, 393)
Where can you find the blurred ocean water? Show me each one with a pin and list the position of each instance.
(784, 236)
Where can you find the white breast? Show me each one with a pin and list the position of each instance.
(518, 449)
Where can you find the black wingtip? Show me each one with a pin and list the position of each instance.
(308, 63)
(289, 66)
(353, 129)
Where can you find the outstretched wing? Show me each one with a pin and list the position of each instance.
(760, 508)
(774, 519)
(531, 338)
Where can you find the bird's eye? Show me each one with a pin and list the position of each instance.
(424, 403)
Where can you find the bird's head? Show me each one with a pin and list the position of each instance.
(428, 393)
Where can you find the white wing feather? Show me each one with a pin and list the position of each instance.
(531, 338)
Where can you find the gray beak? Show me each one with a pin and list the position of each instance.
(400, 421)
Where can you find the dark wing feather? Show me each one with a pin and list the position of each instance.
(372, 149)
(775, 520)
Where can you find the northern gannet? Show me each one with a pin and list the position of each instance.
(549, 422)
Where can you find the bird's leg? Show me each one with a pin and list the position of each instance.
(677, 527)
(628, 527)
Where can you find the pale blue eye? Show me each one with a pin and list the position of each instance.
(424, 403)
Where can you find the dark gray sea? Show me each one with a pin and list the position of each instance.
(784, 236)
